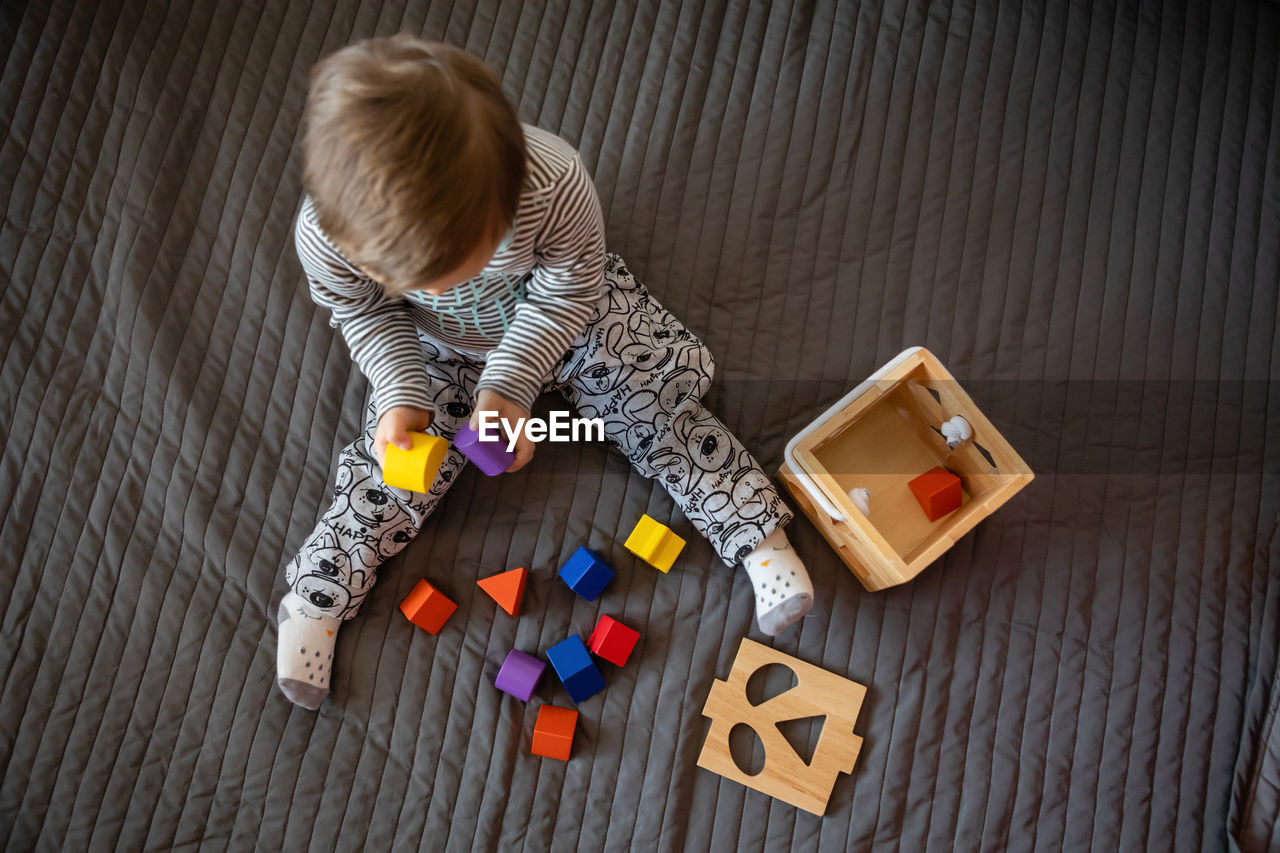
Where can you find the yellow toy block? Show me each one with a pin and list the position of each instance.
(414, 469)
(653, 542)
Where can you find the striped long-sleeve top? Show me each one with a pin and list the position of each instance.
(533, 298)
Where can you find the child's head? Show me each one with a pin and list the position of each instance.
(413, 158)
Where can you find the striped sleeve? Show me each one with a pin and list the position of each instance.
(563, 289)
(377, 328)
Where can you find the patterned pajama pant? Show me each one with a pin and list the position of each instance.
(637, 368)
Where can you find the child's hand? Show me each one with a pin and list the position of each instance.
(491, 401)
(394, 427)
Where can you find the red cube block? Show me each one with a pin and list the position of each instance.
(553, 733)
(613, 641)
(427, 607)
(938, 491)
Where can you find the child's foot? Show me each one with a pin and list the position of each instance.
(304, 657)
(784, 592)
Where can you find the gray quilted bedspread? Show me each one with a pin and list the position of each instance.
(1075, 206)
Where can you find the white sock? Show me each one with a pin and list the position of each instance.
(784, 592)
(304, 656)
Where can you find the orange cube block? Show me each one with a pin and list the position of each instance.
(553, 733)
(938, 491)
(427, 607)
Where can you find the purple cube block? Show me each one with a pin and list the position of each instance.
(519, 675)
(491, 457)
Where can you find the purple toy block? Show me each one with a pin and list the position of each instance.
(519, 675)
(491, 457)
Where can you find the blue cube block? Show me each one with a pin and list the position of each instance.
(572, 663)
(586, 574)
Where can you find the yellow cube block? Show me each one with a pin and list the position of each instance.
(653, 542)
(416, 469)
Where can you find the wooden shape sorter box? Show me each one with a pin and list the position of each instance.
(785, 775)
(879, 437)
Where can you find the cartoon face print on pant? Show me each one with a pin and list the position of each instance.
(698, 446)
(617, 356)
(325, 587)
(369, 521)
(742, 509)
(635, 420)
(360, 497)
(749, 494)
(638, 369)
(647, 414)
(631, 334)
(364, 525)
(453, 380)
(735, 505)
(453, 407)
(633, 367)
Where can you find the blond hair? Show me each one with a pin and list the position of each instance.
(412, 156)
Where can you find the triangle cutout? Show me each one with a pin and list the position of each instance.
(506, 588)
(802, 735)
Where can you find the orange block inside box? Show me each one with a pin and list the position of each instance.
(553, 733)
(427, 607)
(938, 491)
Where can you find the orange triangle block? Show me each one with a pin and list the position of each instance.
(507, 589)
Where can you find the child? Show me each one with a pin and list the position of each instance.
(462, 257)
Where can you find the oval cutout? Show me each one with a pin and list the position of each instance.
(746, 749)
